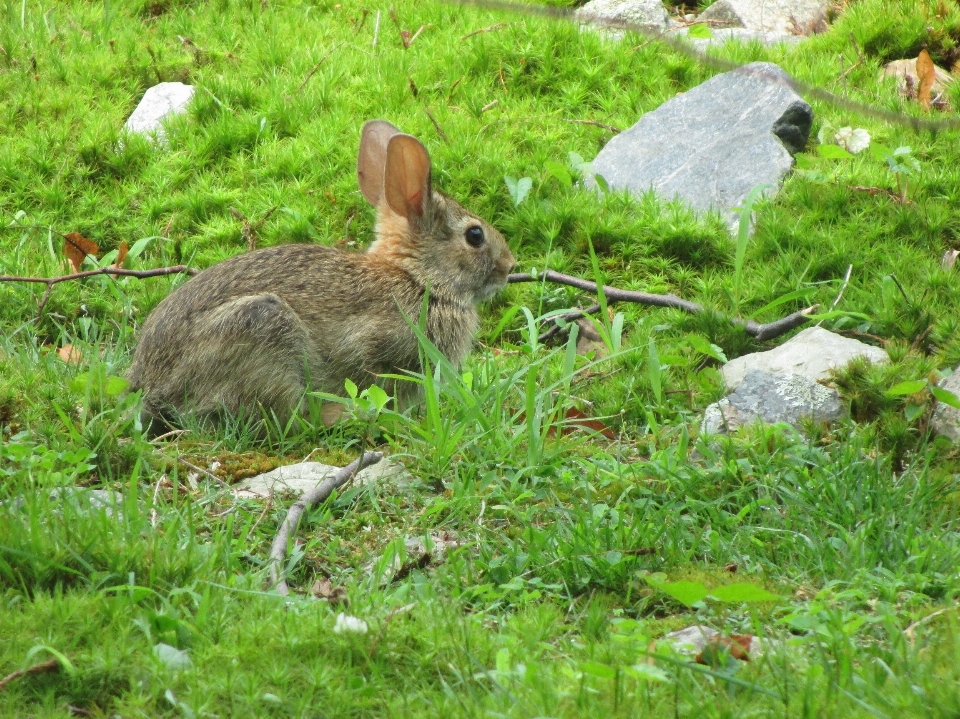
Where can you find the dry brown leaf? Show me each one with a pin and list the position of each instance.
(121, 255)
(927, 74)
(76, 247)
(323, 589)
(70, 354)
(578, 420)
(736, 645)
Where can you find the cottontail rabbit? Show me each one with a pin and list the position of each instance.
(259, 329)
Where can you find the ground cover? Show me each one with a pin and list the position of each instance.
(574, 547)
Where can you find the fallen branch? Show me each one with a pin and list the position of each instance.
(112, 271)
(754, 329)
(51, 665)
(278, 551)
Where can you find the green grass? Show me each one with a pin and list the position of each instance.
(552, 604)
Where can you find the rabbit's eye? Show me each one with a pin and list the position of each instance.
(475, 236)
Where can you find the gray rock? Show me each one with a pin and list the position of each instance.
(712, 144)
(172, 658)
(721, 36)
(694, 639)
(85, 500)
(772, 398)
(811, 353)
(304, 476)
(800, 17)
(158, 103)
(946, 419)
(647, 14)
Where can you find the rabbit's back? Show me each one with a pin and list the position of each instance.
(304, 316)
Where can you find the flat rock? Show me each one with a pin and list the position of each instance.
(811, 353)
(304, 476)
(606, 14)
(786, 17)
(722, 36)
(710, 145)
(772, 398)
(158, 103)
(694, 639)
(946, 419)
(90, 500)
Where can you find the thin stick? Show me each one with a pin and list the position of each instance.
(319, 63)
(836, 300)
(613, 294)
(278, 551)
(437, 126)
(376, 30)
(491, 28)
(611, 128)
(266, 508)
(911, 630)
(110, 271)
(195, 468)
(153, 504)
(51, 665)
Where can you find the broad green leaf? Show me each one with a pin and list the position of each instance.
(613, 558)
(597, 669)
(351, 389)
(742, 592)
(378, 396)
(503, 660)
(700, 31)
(519, 189)
(880, 152)
(789, 297)
(115, 386)
(910, 387)
(705, 347)
(688, 593)
(555, 169)
(945, 396)
(913, 411)
(602, 182)
(650, 672)
(833, 152)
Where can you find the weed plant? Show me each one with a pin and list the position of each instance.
(570, 551)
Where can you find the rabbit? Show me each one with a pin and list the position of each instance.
(258, 330)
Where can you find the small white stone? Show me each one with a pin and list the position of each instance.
(347, 624)
(158, 103)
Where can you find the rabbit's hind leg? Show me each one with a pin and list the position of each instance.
(250, 353)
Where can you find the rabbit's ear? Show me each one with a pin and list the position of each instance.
(406, 182)
(372, 159)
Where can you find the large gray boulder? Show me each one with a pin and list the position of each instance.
(710, 145)
(772, 398)
(946, 419)
(158, 103)
(811, 353)
(799, 17)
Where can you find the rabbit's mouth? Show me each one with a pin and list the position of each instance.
(494, 284)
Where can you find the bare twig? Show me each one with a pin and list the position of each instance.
(611, 128)
(437, 126)
(51, 665)
(249, 229)
(383, 627)
(613, 294)
(202, 471)
(910, 631)
(153, 504)
(317, 66)
(110, 271)
(846, 281)
(278, 551)
(489, 106)
(376, 30)
(482, 30)
(266, 508)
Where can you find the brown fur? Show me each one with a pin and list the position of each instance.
(259, 329)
